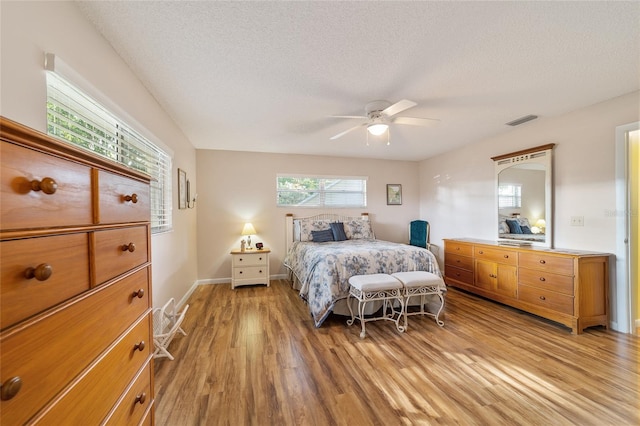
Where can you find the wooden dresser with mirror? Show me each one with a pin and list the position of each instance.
(76, 326)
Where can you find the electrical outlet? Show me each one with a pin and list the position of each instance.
(577, 220)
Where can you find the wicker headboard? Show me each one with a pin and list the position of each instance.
(289, 223)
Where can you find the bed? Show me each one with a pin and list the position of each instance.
(320, 271)
(520, 229)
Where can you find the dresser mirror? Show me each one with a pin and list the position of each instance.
(524, 197)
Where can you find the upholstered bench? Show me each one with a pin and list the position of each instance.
(376, 287)
(421, 284)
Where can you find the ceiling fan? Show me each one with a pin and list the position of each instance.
(380, 114)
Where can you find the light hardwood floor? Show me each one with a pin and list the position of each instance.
(253, 357)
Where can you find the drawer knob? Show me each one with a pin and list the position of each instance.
(132, 198)
(41, 272)
(10, 388)
(506, 256)
(129, 247)
(543, 298)
(46, 185)
(542, 279)
(480, 252)
(140, 399)
(240, 272)
(259, 258)
(139, 294)
(260, 271)
(139, 346)
(542, 261)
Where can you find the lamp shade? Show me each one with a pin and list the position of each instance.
(248, 229)
(541, 223)
(377, 129)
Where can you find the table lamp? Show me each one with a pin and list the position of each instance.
(248, 230)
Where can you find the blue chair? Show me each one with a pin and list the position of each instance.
(419, 234)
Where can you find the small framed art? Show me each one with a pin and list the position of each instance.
(182, 189)
(394, 194)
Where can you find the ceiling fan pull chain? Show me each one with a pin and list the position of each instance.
(388, 136)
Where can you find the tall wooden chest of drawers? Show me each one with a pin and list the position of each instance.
(76, 333)
(567, 286)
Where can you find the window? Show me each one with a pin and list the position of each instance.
(76, 118)
(321, 191)
(509, 196)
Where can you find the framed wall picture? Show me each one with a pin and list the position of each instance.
(182, 189)
(394, 194)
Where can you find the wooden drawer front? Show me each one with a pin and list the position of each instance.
(458, 274)
(113, 205)
(249, 272)
(136, 401)
(457, 248)
(68, 259)
(548, 299)
(92, 398)
(462, 262)
(546, 281)
(111, 256)
(23, 207)
(250, 260)
(496, 255)
(545, 262)
(55, 349)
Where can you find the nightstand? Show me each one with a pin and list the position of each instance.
(250, 267)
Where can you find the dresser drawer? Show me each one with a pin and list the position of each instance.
(249, 272)
(249, 260)
(545, 262)
(91, 399)
(22, 206)
(55, 348)
(462, 262)
(462, 275)
(38, 273)
(496, 255)
(119, 250)
(546, 280)
(136, 401)
(458, 248)
(122, 199)
(545, 298)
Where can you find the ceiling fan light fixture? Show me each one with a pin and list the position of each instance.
(377, 129)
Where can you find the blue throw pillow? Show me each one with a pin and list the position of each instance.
(338, 231)
(514, 226)
(525, 229)
(322, 236)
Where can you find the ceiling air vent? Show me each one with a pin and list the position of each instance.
(521, 120)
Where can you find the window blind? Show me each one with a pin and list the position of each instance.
(76, 118)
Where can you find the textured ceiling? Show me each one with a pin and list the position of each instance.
(266, 76)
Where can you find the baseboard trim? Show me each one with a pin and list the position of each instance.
(184, 299)
(209, 281)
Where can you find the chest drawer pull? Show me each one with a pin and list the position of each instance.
(480, 252)
(139, 294)
(46, 185)
(542, 279)
(140, 399)
(129, 247)
(133, 198)
(506, 256)
(543, 298)
(41, 272)
(10, 388)
(139, 346)
(542, 261)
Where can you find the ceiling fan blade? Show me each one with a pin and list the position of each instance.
(398, 107)
(348, 116)
(339, 135)
(412, 121)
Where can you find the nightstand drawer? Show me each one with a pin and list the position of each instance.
(249, 272)
(257, 259)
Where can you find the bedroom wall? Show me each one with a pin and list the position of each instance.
(239, 187)
(457, 188)
(28, 30)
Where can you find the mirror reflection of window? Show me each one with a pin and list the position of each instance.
(510, 196)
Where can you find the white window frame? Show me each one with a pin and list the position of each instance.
(76, 118)
(510, 196)
(321, 196)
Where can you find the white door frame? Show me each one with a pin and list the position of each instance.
(622, 291)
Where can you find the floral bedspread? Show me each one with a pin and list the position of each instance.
(324, 269)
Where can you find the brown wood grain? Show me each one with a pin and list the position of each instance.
(253, 356)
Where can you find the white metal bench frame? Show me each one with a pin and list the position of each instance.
(380, 294)
(422, 290)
